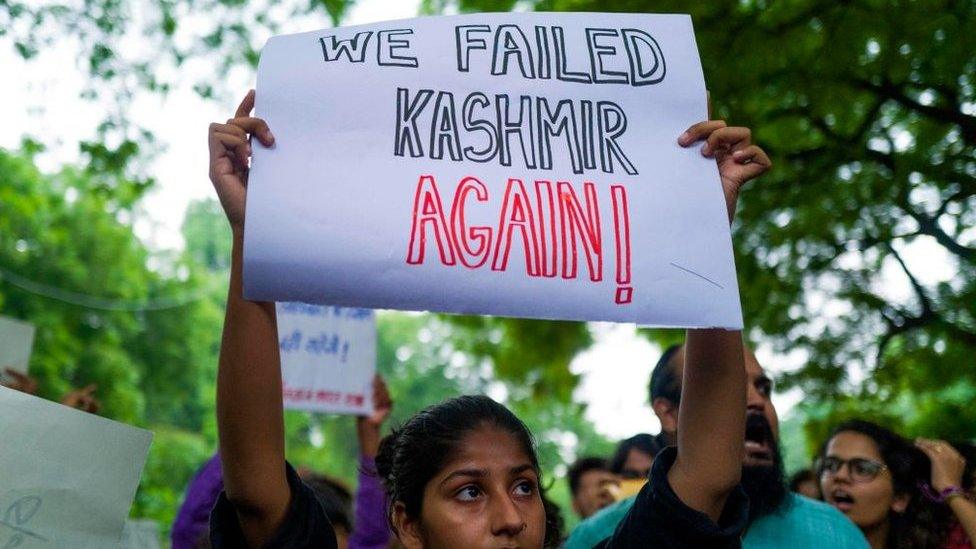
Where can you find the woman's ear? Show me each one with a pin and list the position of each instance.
(900, 503)
(407, 529)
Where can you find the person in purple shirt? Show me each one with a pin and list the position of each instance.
(193, 520)
(369, 527)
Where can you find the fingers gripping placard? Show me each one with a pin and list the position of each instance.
(510, 164)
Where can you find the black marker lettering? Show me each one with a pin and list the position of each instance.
(384, 52)
(609, 132)
(641, 75)
(465, 43)
(354, 48)
(406, 126)
(597, 52)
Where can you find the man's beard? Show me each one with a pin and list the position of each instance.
(764, 484)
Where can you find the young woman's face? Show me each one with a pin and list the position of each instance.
(866, 501)
(487, 495)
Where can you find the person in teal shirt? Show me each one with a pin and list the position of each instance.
(777, 518)
(800, 523)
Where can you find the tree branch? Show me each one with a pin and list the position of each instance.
(930, 226)
(923, 299)
(890, 91)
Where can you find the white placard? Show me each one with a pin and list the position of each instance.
(16, 341)
(515, 164)
(68, 477)
(140, 534)
(328, 357)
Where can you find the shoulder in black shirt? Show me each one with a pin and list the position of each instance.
(659, 519)
(305, 525)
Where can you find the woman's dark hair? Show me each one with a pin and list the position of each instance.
(923, 524)
(409, 457)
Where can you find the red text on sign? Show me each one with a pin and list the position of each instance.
(555, 227)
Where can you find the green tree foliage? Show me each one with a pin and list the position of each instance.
(128, 47)
(72, 266)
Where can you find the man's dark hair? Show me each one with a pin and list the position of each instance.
(643, 443)
(582, 466)
(665, 379)
(801, 476)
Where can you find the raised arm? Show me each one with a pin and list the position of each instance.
(711, 419)
(948, 468)
(249, 403)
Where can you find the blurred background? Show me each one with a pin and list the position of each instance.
(856, 254)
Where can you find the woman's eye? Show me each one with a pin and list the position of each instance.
(468, 493)
(525, 488)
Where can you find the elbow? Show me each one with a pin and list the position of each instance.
(257, 502)
(246, 502)
(723, 484)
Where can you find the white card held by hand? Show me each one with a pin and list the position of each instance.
(67, 478)
(16, 341)
(514, 164)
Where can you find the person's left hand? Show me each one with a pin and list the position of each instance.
(739, 161)
(382, 403)
(83, 399)
(947, 463)
(20, 382)
(368, 427)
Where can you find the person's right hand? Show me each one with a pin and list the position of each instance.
(20, 382)
(948, 464)
(230, 150)
(83, 399)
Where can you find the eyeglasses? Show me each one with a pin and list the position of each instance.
(860, 469)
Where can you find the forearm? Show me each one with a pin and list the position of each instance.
(369, 438)
(249, 410)
(711, 420)
(965, 512)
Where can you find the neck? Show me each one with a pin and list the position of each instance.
(877, 535)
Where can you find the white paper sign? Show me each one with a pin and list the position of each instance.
(67, 478)
(328, 357)
(510, 164)
(140, 534)
(16, 340)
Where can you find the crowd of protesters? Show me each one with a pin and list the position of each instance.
(464, 472)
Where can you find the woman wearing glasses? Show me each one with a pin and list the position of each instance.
(877, 478)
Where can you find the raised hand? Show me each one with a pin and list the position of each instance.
(948, 464)
(83, 399)
(739, 161)
(368, 427)
(20, 382)
(230, 150)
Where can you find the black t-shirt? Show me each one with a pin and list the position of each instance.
(659, 520)
(305, 525)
